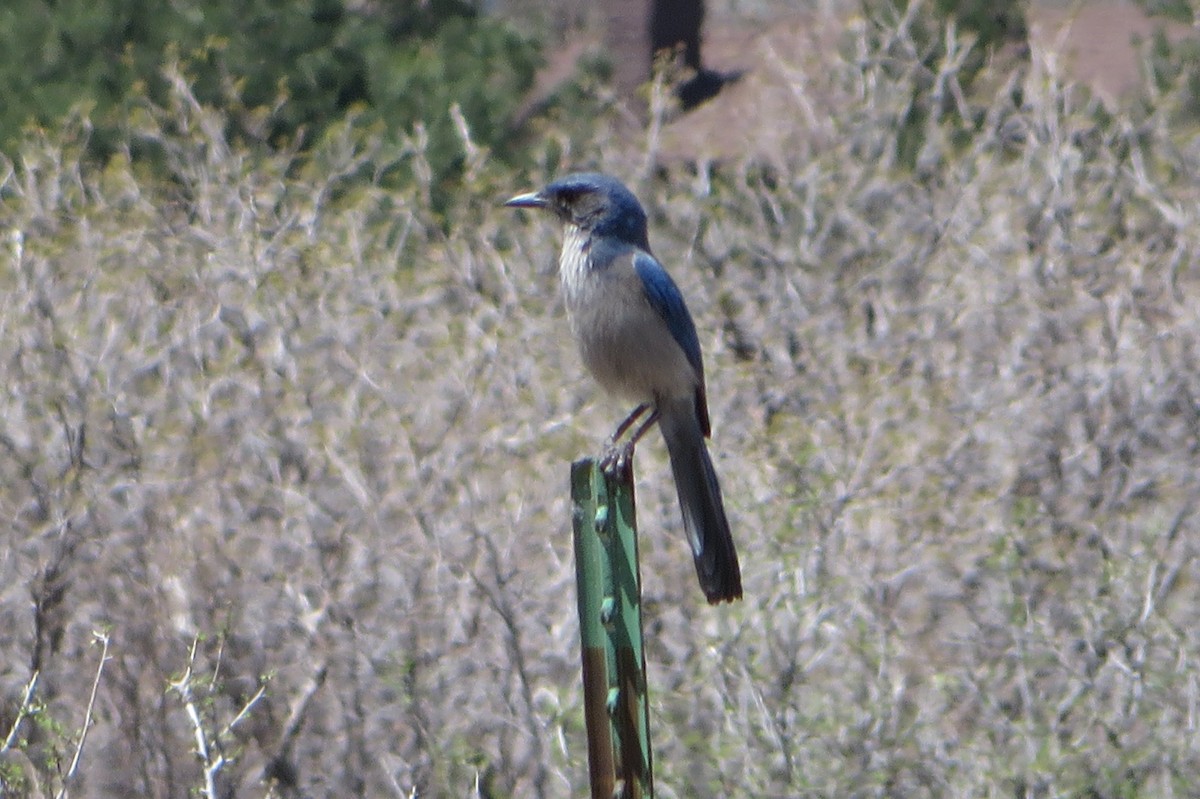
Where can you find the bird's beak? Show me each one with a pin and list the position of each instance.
(534, 199)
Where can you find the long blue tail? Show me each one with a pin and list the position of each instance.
(700, 500)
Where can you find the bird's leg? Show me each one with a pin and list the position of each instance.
(628, 423)
(641, 431)
(616, 455)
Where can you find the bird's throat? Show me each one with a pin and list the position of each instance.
(575, 260)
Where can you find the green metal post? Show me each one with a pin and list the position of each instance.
(608, 585)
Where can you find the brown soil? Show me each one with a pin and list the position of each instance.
(770, 110)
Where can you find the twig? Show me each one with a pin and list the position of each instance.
(245, 711)
(183, 686)
(299, 710)
(87, 716)
(210, 753)
(22, 712)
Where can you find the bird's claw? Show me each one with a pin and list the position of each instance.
(616, 458)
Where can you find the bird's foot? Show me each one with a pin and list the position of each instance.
(616, 459)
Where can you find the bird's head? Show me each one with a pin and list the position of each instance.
(595, 203)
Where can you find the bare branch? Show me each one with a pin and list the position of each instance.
(87, 716)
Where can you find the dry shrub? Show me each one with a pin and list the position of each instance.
(274, 408)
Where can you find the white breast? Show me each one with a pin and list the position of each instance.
(623, 341)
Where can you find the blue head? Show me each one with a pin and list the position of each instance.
(595, 203)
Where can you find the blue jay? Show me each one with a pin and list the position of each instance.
(638, 340)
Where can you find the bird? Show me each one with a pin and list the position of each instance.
(637, 338)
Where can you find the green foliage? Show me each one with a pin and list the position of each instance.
(994, 22)
(283, 71)
(1174, 67)
(944, 49)
(1177, 10)
(14, 780)
(988, 24)
(481, 68)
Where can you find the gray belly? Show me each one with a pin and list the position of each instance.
(625, 344)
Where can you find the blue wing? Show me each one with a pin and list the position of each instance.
(664, 297)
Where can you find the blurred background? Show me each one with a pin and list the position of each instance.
(287, 400)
